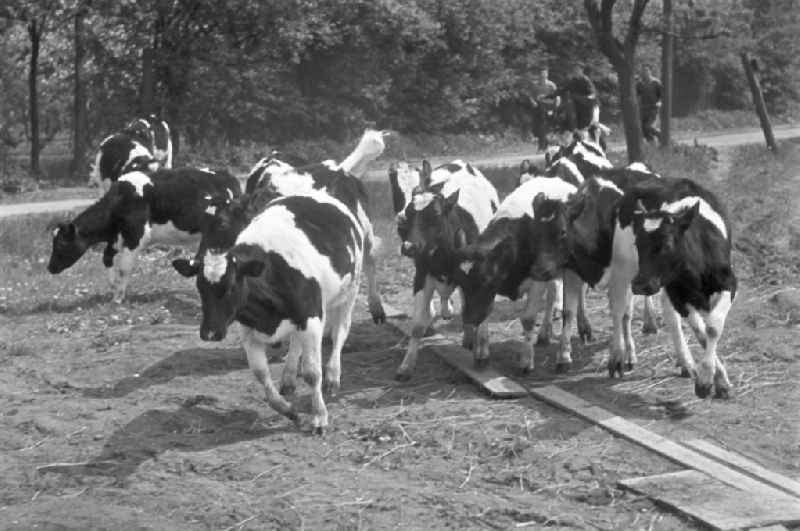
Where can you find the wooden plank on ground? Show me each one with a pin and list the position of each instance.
(490, 380)
(721, 506)
(769, 528)
(652, 441)
(742, 463)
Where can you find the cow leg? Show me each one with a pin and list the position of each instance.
(584, 326)
(373, 295)
(255, 346)
(573, 286)
(551, 290)
(649, 325)
(420, 320)
(311, 367)
(711, 372)
(289, 374)
(446, 306)
(123, 266)
(533, 302)
(673, 324)
(555, 297)
(620, 301)
(339, 320)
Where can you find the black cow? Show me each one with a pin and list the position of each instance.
(293, 274)
(441, 219)
(124, 216)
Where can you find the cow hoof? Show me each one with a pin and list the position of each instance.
(649, 328)
(542, 340)
(481, 363)
(293, 416)
(318, 430)
(401, 376)
(563, 367)
(525, 371)
(378, 316)
(615, 367)
(702, 390)
(287, 390)
(722, 392)
(629, 366)
(468, 343)
(330, 388)
(585, 335)
(685, 373)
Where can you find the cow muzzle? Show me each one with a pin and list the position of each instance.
(408, 249)
(209, 334)
(645, 286)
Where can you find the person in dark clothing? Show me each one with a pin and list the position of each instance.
(580, 101)
(648, 90)
(545, 100)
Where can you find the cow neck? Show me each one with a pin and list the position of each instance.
(519, 265)
(444, 261)
(95, 223)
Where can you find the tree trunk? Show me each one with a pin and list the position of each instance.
(630, 110)
(666, 74)
(758, 100)
(79, 110)
(146, 104)
(35, 34)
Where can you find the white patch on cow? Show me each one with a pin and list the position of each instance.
(651, 224)
(55, 232)
(292, 183)
(551, 217)
(139, 150)
(330, 164)
(211, 209)
(467, 266)
(138, 179)
(519, 202)
(407, 180)
(525, 177)
(705, 210)
(591, 157)
(422, 200)
(230, 193)
(94, 172)
(214, 266)
(605, 183)
(275, 230)
(369, 148)
(476, 194)
(566, 169)
(638, 166)
(596, 114)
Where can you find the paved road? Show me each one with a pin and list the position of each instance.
(721, 139)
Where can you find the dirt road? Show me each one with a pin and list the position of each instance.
(717, 140)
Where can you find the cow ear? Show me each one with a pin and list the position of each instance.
(250, 268)
(451, 200)
(187, 268)
(425, 175)
(684, 220)
(525, 166)
(538, 202)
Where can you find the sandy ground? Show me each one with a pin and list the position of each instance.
(140, 425)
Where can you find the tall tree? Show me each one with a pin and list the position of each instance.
(622, 55)
(35, 29)
(666, 73)
(79, 124)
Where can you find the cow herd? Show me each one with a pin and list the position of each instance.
(285, 257)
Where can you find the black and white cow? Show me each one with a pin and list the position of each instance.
(274, 178)
(576, 237)
(499, 263)
(124, 216)
(682, 236)
(451, 206)
(277, 162)
(143, 141)
(293, 275)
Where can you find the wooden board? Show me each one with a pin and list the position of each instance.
(652, 441)
(778, 481)
(490, 380)
(720, 506)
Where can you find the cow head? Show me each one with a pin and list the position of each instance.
(68, 247)
(548, 238)
(527, 171)
(403, 179)
(431, 225)
(224, 218)
(221, 282)
(483, 268)
(658, 236)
